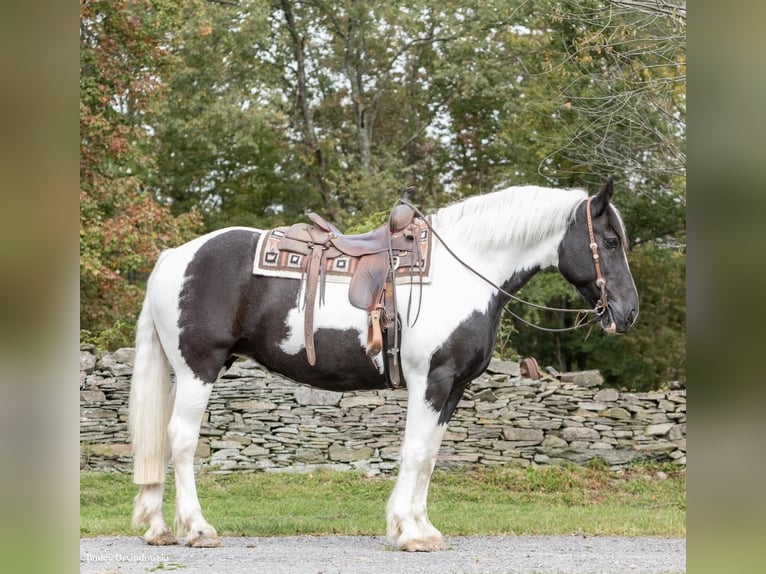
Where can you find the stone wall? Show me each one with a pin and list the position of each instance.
(259, 421)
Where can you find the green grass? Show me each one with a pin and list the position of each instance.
(492, 500)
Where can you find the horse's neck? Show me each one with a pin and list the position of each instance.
(509, 231)
(518, 279)
(503, 259)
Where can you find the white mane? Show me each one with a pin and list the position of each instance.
(523, 214)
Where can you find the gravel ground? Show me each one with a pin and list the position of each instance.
(371, 555)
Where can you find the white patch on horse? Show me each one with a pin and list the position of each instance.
(335, 313)
(167, 282)
(515, 245)
(624, 242)
(408, 526)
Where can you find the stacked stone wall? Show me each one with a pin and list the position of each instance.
(257, 420)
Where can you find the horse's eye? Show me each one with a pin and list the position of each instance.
(611, 242)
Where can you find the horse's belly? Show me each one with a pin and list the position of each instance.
(340, 340)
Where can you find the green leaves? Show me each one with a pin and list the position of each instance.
(122, 227)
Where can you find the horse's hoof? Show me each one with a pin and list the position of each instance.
(424, 545)
(164, 538)
(203, 540)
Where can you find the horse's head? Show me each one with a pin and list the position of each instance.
(593, 258)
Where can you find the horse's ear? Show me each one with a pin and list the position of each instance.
(603, 197)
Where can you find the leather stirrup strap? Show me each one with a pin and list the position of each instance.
(392, 354)
(312, 279)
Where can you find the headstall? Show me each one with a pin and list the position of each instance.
(601, 305)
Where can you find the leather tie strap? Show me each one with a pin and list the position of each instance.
(312, 278)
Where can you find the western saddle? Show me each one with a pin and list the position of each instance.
(379, 254)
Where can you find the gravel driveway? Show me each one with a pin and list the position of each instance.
(371, 555)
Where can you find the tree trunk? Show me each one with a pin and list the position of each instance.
(317, 169)
(364, 111)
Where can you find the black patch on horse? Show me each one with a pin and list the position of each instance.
(467, 351)
(227, 311)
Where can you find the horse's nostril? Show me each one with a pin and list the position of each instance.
(631, 316)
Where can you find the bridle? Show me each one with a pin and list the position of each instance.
(598, 310)
(602, 304)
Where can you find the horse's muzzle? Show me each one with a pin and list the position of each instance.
(610, 324)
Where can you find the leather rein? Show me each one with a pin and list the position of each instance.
(601, 304)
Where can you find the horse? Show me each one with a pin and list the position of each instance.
(204, 307)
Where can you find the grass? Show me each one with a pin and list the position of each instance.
(491, 500)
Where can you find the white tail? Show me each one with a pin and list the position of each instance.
(150, 403)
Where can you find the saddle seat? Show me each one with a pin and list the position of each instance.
(371, 242)
(321, 241)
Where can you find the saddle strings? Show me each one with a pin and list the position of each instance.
(581, 313)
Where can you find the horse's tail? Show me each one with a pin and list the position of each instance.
(150, 403)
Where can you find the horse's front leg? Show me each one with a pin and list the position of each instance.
(407, 516)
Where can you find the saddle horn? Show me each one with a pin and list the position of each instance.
(402, 215)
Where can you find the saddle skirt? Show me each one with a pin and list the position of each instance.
(271, 260)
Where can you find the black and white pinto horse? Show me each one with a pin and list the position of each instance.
(204, 307)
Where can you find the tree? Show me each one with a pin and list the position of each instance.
(218, 133)
(343, 95)
(122, 228)
(522, 110)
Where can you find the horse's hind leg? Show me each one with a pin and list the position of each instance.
(148, 509)
(407, 516)
(192, 396)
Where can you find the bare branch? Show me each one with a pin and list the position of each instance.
(656, 7)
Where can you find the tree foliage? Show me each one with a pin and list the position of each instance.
(122, 227)
(253, 112)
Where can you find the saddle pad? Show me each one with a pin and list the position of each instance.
(270, 261)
